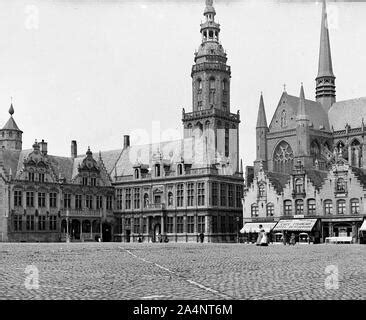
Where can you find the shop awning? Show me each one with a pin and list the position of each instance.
(363, 227)
(254, 226)
(295, 225)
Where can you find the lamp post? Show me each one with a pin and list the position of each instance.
(67, 226)
(237, 229)
(101, 232)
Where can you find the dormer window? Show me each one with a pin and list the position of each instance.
(31, 176)
(85, 181)
(41, 177)
(341, 185)
(299, 186)
(93, 181)
(180, 169)
(157, 170)
(137, 174)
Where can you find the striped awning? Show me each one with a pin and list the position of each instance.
(295, 225)
(254, 227)
(363, 227)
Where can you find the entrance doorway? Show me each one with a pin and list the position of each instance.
(157, 230)
(128, 235)
(106, 232)
(75, 229)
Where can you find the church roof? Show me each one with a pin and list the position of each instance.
(316, 177)
(11, 125)
(349, 112)
(360, 175)
(315, 112)
(278, 180)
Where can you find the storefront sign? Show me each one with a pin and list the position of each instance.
(295, 225)
(254, 227)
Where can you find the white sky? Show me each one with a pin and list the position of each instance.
(95, 70)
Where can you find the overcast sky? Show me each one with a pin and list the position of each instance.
(96, 70)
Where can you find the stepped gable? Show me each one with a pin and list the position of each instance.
(360, 175)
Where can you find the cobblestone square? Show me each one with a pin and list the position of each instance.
(182, 271)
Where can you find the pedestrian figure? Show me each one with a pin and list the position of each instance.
(160, 238)
(292, 239)
(166, 239)
(202, 236)
(140, 238)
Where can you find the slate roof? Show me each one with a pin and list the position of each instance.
(360, 175)
(11, 125)
(278, 180)
(347, 112)
(315, 112)
(316, 177)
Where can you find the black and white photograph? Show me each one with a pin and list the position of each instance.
(173, 151)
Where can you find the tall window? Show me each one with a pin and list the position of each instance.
(299, 206)
(270, 210)
(341, 206)
(200, 224)
(85, 181)
(67, 200)
(288, 207)
(78, 202)
(99, 202)
(190, 224)
(231, 195)
(179, 224)
(355, 206)
(283, 119)
(136, 225)
(283, 158)
(201, 193)
(239, 195)
(89, 201)
(17, 198)
(223, 194)
(262, 190)
(41, 177)
(137, 174)
(170, 199)
(29, 223)
(136, 198)
(341, 185)
(42, 223)
(146, 200)
(31, 176)
(254, 210)
(169, 224)
(190, 194)
(180, 169)
(128, 198)
(119, 199)
(180, 195)
(109, 202)
(215, 197)
(214, 224)
(17, 222)
(231, 224)
(30, 199)
(53, 199)
(41, 199)
(328, 207)
(311, 207)
(53, 222)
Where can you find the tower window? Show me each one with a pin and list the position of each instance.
(157, 170)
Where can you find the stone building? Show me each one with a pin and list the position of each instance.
(311, 159)
(180, 189)
(45, 197)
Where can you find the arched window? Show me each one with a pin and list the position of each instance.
(212, 91)
(341, 185)
(356, 153)
(270, 210)
(262, 190)
(341, 206)
(328, 207)
(283, 119)
(355, 206)
(157, 170)
(299, 185)
(283, 158)
(311, 207)
(299, 206)
(180, 169)
(199, 85)
(137, 174)
(254, 210)
(225, 86)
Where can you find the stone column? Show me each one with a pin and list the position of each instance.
(162, 224)
(354, 233)
(122, 231)
(185, 225)
(330, 229)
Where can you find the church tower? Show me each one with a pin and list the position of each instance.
(261, 138)
(210, 119)
(303, 133)
(325, 81)
(10, 134)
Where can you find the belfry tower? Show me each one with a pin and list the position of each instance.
(210, 119)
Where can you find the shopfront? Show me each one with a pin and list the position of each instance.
(362, 232)
(250, 230)
(342, 229)
(302, 230)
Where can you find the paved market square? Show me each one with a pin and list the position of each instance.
(181, 271)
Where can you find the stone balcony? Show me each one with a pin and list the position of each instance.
(206, 113)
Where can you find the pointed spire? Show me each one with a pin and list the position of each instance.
(241, 166)
(11, 109)
(261, 119)
(301, 111)
(325, 68)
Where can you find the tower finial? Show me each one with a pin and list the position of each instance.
(261, 119)
(11, 109)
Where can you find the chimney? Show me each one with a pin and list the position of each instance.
(74, 149)
(126, 141)
(43, 146)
